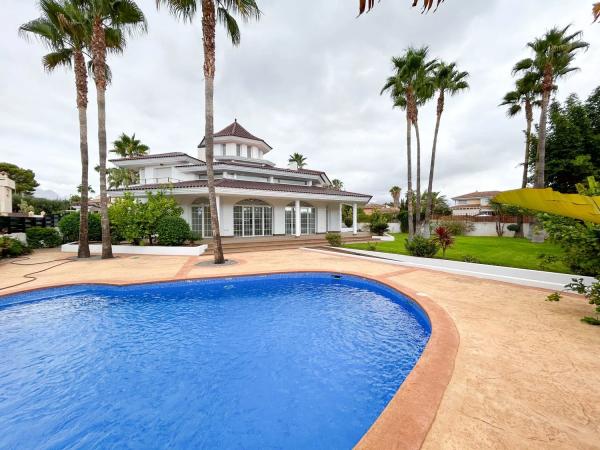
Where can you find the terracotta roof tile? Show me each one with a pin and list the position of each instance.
(478, 194)
(236, 130)
(251, 185)
(155, 156)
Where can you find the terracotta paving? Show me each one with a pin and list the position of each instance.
(527, 372)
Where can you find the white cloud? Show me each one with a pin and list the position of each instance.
(306, 79)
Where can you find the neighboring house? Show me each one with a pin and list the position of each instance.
(93, 205)
(7, 186)
(254, 197)
(474, 204)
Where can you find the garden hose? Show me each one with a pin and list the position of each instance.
(30, 276)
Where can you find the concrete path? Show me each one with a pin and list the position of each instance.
(524, 277)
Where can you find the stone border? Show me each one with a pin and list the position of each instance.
(407, 418)
(141, 249)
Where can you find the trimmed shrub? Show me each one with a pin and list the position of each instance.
(334, 239)
(172, 231)
(39, 237)
(456, 227)
(420, 246)
(69, 227)
(379, 223)
(11, 248)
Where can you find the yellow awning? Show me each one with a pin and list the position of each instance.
(576, 206)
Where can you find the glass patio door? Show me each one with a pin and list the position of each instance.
(201, 223)
(252, 220)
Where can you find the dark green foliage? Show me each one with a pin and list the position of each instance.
(69, 227)
(172, 231)
(513, 227)
(11, 248)
(379, 223)
(420, 246)
(471, 259)
(24, 178)
(39, 237)
(334, 239)
(456, 227)
(41, 204)
(554, 297)
(573, 143)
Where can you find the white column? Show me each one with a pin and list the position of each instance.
(341, 222)
(298, 226)
(218, 201)
(354, 218)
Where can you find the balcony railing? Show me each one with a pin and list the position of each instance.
(163, 180)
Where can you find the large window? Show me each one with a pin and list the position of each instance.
(252, 218)
(248, 151)
(223, 149)
(238, 150)
(308, 218)
(201, 218)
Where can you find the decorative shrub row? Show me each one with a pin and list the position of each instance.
(69, 227)
(11, 248)
(39, 237)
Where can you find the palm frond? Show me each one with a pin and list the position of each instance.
(60, 58)
(184, 10)
(367, 5)
(596, 11)
(231, 26)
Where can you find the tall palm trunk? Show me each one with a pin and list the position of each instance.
(411, 215)
(529, 116)
(540, 166)
(429, 206)
(419, 229)
(208, 31)
(83, 250)
(99, 59)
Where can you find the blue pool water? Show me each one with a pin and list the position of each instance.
(282, 361)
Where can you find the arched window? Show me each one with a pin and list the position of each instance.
(201, 217)
(252, 217)
(308, 218)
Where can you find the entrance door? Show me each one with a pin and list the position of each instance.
(201, 223)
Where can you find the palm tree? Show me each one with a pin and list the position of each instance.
(553, 57)
(129, 146)
(410, 87)
(524, 98)
(110, 20)
(446, 80)
(396, 191)
(298, 159)
(337, 184)
(66, 34)
(222, 11)
(366, 5)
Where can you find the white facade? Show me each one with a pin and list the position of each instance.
(474, 204)
(7, 186)
(254, 198)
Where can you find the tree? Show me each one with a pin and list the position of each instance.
(554, 54)
(396, 191)
(222, 11)
(129, 146)
(446, 80)
(524, 98)
(366, 5)
(338, 185)
(439, 204)
(110, 21)
(298, 159)
(24, 178)
(573, 143)
(410, 87)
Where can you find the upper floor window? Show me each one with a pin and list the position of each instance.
(223, 149)
(248, 151)
(238, 150)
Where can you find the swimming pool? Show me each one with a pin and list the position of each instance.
(280, 361)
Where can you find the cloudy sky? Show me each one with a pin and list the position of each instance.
(306, 79)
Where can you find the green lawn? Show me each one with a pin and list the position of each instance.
(506, 251)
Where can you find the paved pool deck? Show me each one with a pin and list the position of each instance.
(526, 373)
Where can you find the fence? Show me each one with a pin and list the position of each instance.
(18, 224)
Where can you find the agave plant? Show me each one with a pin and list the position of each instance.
(366, 5)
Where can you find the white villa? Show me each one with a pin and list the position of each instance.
(474, 204)
(254, 198)
(7, 186)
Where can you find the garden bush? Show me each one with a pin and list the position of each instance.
(334, 239)
(456, 227)
(443, 238)
(379, 223)
(11, 248)
(172, 231)
(420, 246)
(69, 227)
(39, 237)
